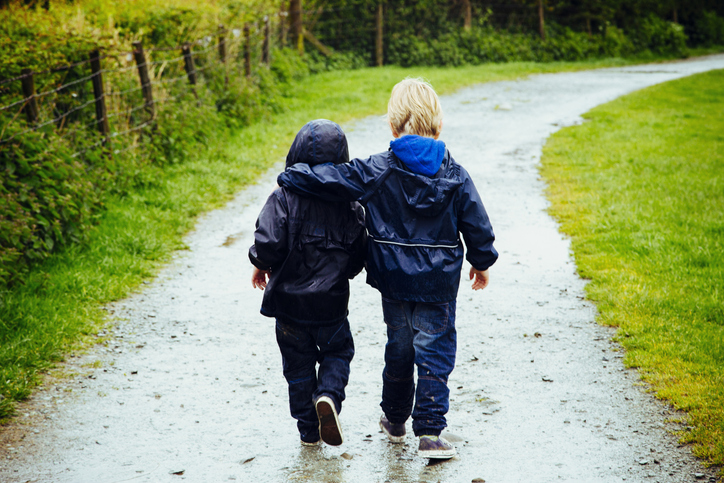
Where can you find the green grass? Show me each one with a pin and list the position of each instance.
(640, 191)
(58, 309)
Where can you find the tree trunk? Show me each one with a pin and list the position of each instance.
(380, 20)
(295, 11)
(283, 24)
(541, 21)
(468, 10)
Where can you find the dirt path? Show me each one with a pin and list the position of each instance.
(190, 385)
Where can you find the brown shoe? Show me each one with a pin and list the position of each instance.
(394, 432)
(329, 428)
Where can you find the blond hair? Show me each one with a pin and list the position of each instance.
(414, 108)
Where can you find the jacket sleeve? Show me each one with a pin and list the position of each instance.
(353, 181)
(359, 247)
(474, 224)
(270, 247)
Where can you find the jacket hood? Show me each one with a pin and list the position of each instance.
(429, 196)
(318, 142)
(421, 155)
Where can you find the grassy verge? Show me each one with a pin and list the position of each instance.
(58, 308)
(640, 190)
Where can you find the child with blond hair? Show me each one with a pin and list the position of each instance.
(418, 202)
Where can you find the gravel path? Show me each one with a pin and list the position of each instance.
(189, 386)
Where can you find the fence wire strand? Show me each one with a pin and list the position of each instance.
(40, 126)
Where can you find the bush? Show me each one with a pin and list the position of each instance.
(287, 66)
(708, 30)
(483, 43)
(615, 43)
(318, 62)
(53, 180)
(47, 200)
(659, 36)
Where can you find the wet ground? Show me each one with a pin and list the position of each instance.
(189, 386)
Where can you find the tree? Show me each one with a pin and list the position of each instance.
(468, 13)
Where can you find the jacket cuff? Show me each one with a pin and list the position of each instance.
(256, 262)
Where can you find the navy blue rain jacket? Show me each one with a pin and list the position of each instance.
(413, 220)
(311, 247)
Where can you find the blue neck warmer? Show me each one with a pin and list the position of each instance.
(420, 154)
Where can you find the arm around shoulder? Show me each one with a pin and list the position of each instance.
(352, 181)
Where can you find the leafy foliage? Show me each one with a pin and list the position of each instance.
(429, 32)
(708, 29)
(486, 44)
(53, 180)
(47, 199)
(660, 36)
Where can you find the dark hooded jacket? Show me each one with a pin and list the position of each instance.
(414, 219)
(311, 247)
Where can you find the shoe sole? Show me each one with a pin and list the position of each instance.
(329, 429)
(393, 439)
(437, 454)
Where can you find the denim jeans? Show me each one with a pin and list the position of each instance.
(302, 347)
(423, 335)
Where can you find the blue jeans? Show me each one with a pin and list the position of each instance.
(302, 347)
(423, 335)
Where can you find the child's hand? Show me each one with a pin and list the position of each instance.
(481, 278)
(259, 278)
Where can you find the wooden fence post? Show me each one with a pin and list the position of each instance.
(31, 106)
(222, 52)
(379, 22)
(101, 116)
(265, 58)
(222, 44)
(190, 68)
(189, 63)
(146, 88)
(295, 7)
(247, 50)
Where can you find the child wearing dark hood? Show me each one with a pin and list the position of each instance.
(419, 203)
(305, 251)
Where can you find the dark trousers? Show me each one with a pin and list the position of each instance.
(423, 335)
(302, 347)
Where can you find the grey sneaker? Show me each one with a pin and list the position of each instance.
(435, 447)
(395, 432)
(329, 428)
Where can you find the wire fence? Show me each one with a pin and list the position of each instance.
(118, 94)
(108, 95)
